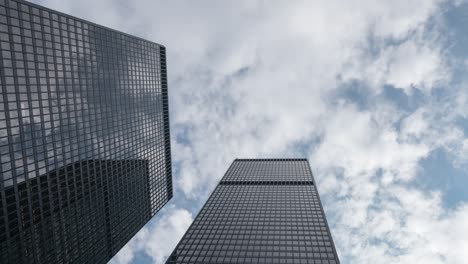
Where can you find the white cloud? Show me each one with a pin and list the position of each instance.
(166, 234)
(380, 220)
(380, 217)
(159, 239)
(435, 125)
(411, 227)
(413, 65)
(461, 99)
(125, 255)
(414, 125)
(361, 143)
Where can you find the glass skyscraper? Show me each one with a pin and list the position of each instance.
(262, 211)
(84, 136)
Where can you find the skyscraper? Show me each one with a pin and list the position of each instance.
(84, 136)
(262, 211)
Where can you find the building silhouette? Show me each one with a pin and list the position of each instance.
(84, 136)
(262, 211)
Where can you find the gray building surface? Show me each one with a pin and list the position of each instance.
(262, 211)
(84, 136)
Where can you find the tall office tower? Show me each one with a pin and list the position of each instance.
(262, 211)
(84, 136)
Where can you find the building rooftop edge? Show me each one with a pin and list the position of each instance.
(36, 5)
(273, 159)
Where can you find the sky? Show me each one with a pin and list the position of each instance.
(373, 93)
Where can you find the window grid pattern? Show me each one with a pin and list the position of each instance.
(104, 201)
(260, 221)
(75, 94)
(268, 170)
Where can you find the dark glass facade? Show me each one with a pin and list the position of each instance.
(84, 212)
(262, 211)
(84, 136)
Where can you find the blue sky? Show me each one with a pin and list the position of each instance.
(374, 94)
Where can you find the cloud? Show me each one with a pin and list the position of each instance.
(167, 233)
(365, 174)
(415, 63)
(436, 125)
(406, 227)
(126, 254)
(412, 65)
(366, 145)
(159, 239)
